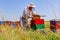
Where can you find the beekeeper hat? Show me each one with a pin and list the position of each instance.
(31, 5)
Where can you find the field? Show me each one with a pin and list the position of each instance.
(11, 33)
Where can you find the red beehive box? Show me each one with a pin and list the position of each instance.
(17, 23)
(39, 21)
(8, 23)
(58, 24)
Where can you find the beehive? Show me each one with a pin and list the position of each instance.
(52, 25)
(37, 23)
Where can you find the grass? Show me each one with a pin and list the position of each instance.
(11, 33)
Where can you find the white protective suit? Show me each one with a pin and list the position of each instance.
(27, 14)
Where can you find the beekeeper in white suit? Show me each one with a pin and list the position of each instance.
(27, 14)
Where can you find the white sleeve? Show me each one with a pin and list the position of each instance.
(24, 13)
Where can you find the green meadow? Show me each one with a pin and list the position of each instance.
(11, 33)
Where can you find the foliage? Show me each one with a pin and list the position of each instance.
(11, 33)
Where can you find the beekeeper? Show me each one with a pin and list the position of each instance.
(27, 14)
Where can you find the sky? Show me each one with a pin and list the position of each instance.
(13, 9)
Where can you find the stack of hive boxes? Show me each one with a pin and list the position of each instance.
(54, 25)
(37, 23)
